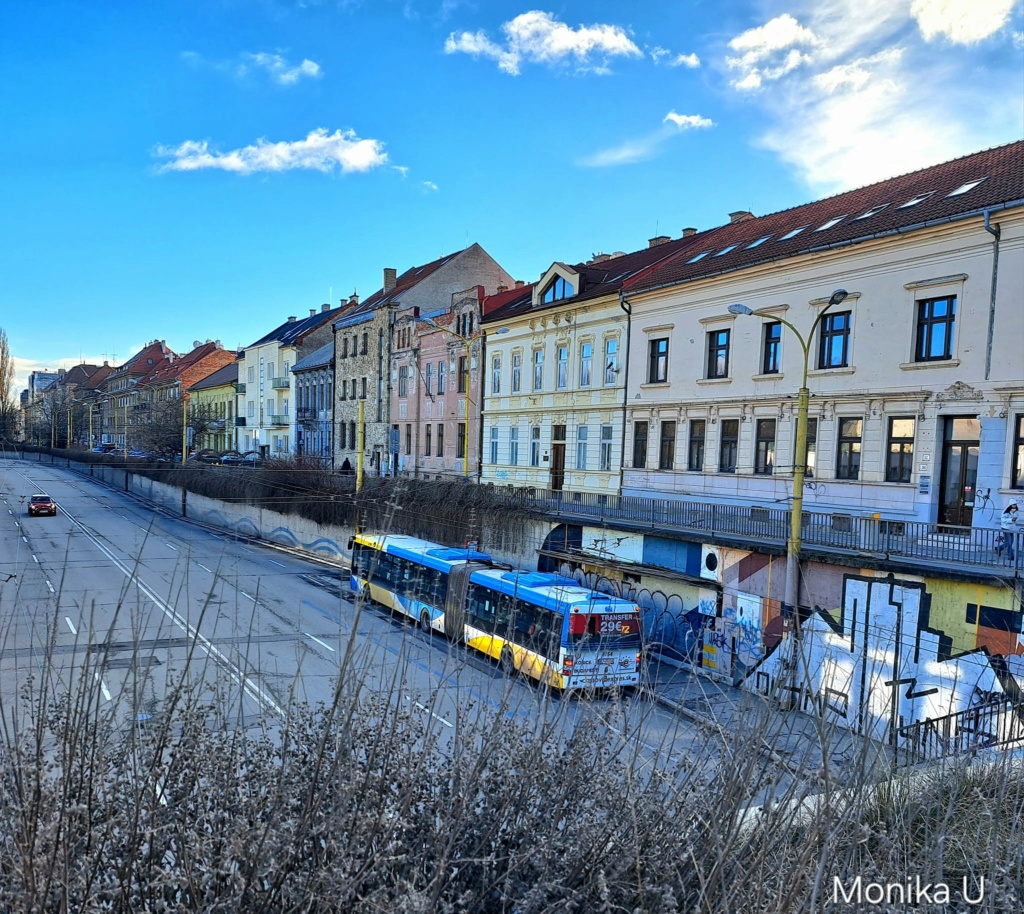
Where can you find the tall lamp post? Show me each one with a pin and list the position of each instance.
(792, 595)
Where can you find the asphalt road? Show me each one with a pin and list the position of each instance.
(132, 604)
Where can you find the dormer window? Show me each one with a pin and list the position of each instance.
(560, 288)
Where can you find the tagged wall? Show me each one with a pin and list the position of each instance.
(885, 658)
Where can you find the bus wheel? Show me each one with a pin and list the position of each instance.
(508, 662)
(425, 623)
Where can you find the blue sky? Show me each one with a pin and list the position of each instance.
(201, 169)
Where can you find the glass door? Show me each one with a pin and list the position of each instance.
(961, 442)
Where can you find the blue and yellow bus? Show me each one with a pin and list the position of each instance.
(545, 626)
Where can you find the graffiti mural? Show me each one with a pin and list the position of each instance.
(879, 664)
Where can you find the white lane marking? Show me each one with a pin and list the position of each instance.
(25, 538)
(169, 546)
(48, 584)
(318, 641)
(201, 565)
(71, 625)
(125, 516)
(103, 687)
(255, 692)
(34, 559)
(244, 594)
(272, 562)
(427, 710)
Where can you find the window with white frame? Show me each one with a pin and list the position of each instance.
(582, 434)
(606, 448)
(513, 446)
(535, 445)
(586, 363)
(538, 369)
(517, 372)
(562, 380)
(611, 361)
(494, 444)
(496, 374)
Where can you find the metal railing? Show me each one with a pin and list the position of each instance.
(239, 387)
(278, 419)
(985, 727)
(279, 383)
(873, 535)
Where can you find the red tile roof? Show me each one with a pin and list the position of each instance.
(851, 217)
(403, 283)
(596, 279)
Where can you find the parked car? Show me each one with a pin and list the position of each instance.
(248, 459)
(205, 456)
(41, 504)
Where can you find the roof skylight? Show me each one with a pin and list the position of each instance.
(698, 257)
(759, 241)
(920, 198)
(830, 223)
(874, 211)
(794, 233)
(725, 250)
(963, 188)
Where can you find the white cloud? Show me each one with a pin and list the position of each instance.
(274, 65)
(852, 94)
(688, 121)
(278, 68)
(403, 170)
(319, 151)
(770, 51)
(658, 54)
(537, 37)
(961, 21)
(429, 185)
(692, 61)
(647, 147)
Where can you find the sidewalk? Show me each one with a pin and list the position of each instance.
(795, 740)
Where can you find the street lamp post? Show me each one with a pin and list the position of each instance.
(790, 605)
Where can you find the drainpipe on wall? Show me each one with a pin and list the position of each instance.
(994, 232)
(624, 357)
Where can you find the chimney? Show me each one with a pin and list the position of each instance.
(292, 319)
(658, 239)
(599, 257)
(740, 216)
(326, 306)
(502, 287)
(390, 278)
(689, 232)
(520, 283)
(218, 344)
(353, 299)
(312, 312)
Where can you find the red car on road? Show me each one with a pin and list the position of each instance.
(42, 504)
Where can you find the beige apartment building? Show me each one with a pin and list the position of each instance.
(916, 376)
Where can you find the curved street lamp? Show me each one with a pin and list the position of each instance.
(793, 545)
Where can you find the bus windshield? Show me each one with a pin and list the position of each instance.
(605, 629)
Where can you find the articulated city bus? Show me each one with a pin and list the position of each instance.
(545, 626)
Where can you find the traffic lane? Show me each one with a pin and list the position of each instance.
(271, 603)
(116, 606)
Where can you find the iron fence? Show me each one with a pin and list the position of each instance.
(986, 727)
(873, 535)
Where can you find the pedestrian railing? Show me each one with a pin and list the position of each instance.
(988, 726)
(874, 535)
